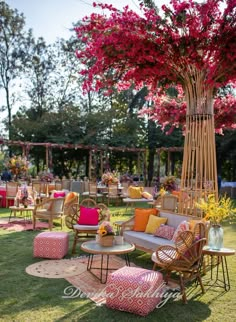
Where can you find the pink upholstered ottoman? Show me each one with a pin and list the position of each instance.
(51, 245)
(134, 290)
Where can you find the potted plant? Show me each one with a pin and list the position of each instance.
(216, 212)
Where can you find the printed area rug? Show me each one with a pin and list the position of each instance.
(21, 225)
(87, 285)
(74, 270)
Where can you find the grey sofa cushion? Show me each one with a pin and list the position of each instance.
(146, 241)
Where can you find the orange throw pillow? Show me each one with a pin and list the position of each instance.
(70, 196)
(141, 217)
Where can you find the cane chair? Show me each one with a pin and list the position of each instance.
(58, 185)
(49, 209)
(169, 202)
(156, 203)
(66, 184)
(125, 186)
(185, 259)
(113, 194)
(93, 191)
(11, 191)
(70, 199)
(84, 231)
(36, 186)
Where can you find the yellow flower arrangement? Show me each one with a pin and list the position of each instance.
(18, 165)
(110, 177)
(216, 211)
(105, 229)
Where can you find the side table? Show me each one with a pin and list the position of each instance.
(27, 212)
(221, 257)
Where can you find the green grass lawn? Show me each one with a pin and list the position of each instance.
(28, 298)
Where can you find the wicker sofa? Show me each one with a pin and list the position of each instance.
(148, 242)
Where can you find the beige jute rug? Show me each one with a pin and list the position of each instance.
(61, 268)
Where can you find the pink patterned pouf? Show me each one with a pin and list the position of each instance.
(135, 290)
(51, 245)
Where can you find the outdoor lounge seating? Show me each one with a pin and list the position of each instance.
(49, 209)
(148, 242)
(185, 258)
(113, 194)
(51, 245)
(169, 202)
(88, 224)
(136, 281)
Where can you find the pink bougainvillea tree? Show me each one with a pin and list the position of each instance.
(189, 44)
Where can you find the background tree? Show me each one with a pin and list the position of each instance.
(193, 45)
(14, 47)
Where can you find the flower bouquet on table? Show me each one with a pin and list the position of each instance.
(46, 176)
(18, 165)
(216, 211)
(23, 197)
(169, 183)
(105, 234)
(110, 177)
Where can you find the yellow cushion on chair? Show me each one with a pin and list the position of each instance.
(135, 192)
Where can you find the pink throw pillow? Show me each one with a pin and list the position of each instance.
(165, 231)
(184, 225)
(59, 194)
(88, 216)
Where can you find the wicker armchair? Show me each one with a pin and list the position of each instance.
(49, 209)
(81, 231)
(185, 259)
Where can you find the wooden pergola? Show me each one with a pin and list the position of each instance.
(94, 150)
(167, 150)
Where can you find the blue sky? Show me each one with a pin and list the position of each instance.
(52, 19)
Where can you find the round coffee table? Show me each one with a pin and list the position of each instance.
(94, 248)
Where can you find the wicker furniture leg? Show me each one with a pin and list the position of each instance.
(75, 242)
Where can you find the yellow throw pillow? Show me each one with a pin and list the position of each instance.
(154, 222)
(135, 192)
(141, 216)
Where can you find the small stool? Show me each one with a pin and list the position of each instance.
(135, 290)
(51, 245)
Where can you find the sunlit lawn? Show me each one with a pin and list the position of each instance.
(27, 298)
